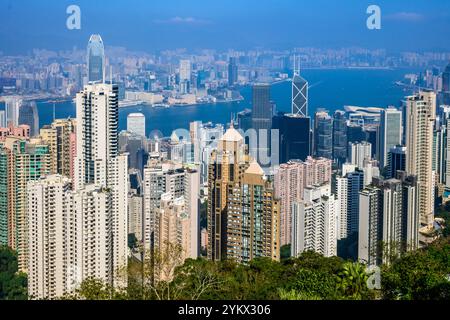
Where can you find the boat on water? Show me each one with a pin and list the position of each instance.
(160, 105)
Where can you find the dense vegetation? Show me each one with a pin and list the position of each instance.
(419, 275)
(13, 285)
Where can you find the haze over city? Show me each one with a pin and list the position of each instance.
(158, 25)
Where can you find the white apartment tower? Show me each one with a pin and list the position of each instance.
(314, 222)
(358, 152)
(420, 116)
(99, 164)
(168, 178)
(51, 213)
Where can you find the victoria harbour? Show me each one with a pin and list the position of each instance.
(331, 89)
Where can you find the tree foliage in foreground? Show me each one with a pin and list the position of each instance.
(13, 285)
(422, 274)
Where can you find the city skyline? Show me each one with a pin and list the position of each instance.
(282, 174)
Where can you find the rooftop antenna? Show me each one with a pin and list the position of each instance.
(110, 74)
(54, 111)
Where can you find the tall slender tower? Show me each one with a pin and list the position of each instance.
(299, 92)
(390, 134)
(96, 59)
(98, 164)
(420, 117)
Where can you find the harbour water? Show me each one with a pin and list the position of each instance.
(331, 89)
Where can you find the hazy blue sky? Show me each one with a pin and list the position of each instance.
(154, 24)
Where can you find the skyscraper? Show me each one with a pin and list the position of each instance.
(252, 218)
(96, 59)
(396, 161)
(358, 152)
(347, 190)
(291, 179)
(226, 169)
(58, 137)
(314, 226)
(232, 72)
(262, 114)
(262, 110)
(174, 180)
(97, 132)
(24, 161)
(28, 114)
(294, 137)
(299, 92)
(339, 137)
(98, 164)
(323, 135)
(420, 117)
(185, 70)
(136, 124)
(51, 239)
(12, 107)
(388, 222)
(390, 133)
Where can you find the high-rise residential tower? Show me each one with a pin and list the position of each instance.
(98, 164)
(314, 222)
(291, 179)
(58, 136)
(420, 116)
(252, 218)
